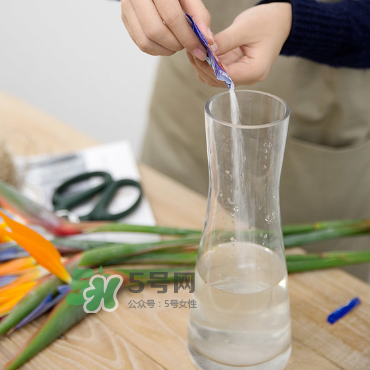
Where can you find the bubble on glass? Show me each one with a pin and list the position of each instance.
(268, 219)
(270, 144)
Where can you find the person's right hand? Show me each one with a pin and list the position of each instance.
(159, 27)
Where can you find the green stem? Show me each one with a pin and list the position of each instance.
(295, 240)
(304, 228)
(118, 227)
(79, 244)
(96, 257)
(327, 260)
(294, 235)
(295, 263)
(182, 258)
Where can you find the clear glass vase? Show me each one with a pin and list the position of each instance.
(242, 317)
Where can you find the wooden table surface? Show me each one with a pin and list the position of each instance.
(145, 338)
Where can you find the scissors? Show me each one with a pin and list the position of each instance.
(64, 202)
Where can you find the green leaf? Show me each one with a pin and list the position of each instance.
(62, 318)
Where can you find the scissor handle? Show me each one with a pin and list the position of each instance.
(61, 199)
(100, 211)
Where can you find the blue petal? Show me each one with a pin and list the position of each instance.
(45, 305)
(7, 279)
(11, 253)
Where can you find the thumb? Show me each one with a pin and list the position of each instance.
(200, 15)
(230, 38)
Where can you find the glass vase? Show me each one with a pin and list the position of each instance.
(242, 317)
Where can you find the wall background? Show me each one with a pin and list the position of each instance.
(75, 60)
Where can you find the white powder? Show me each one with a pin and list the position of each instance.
(234, 107)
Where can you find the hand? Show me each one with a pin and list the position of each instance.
(250, 46)
(159, 27)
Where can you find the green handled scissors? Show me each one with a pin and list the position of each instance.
(64, 203)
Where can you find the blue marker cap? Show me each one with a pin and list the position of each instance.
(342, 311)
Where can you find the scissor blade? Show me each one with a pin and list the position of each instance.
(13, 200)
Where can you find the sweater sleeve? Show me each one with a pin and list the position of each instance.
(337, 34)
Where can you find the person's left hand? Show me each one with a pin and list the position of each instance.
(250, 46)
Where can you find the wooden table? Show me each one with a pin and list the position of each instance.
(148, 339)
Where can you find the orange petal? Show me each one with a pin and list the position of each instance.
(6, 307)
(25, 276)
(36, 272)
(3, 237)
(38, 247)
(14, 266)
(15, 292)
(16, 283)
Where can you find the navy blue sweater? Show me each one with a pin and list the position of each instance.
(337, 34)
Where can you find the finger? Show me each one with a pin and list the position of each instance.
(210, 81)
(247, 71)
(153, 26)
(123, 13)
(138, 36)
(200, 15)
(202, 76)
(206, 68)
(231, 57)
(172, 13)
(231, 37)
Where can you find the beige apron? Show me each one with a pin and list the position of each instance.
(326, 165)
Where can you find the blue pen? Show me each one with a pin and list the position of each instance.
(341, 311)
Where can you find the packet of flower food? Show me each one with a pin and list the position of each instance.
(212, 59)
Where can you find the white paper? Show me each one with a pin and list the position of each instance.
(42, 174)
